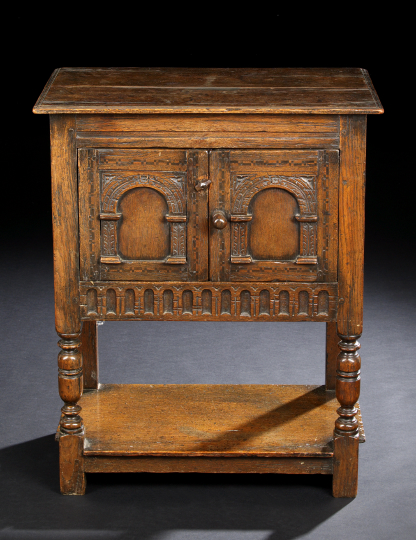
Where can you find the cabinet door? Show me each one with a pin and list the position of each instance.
(140, 215)
(281, 211)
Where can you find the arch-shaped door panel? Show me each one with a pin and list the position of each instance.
(143, 232)
(277, 237)
(282, 213)
(141, 218)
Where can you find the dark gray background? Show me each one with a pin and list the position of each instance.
(199, 507)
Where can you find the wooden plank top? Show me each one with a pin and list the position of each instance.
(209, 90)
(209, 420)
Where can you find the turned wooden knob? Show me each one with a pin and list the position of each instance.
(219, 219)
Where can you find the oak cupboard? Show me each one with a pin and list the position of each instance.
(208, 195)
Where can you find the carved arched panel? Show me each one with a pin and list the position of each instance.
(143, 232)
(143, 217)
(282, 202)
(277, 237)
(282, 211)
(154, 210)
(209, 301)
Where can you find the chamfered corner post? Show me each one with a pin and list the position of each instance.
(67, 302)
(89, 351)
(350, 310)
(331, 354)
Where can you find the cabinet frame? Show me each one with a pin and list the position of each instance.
(73, 457)
(317, 109)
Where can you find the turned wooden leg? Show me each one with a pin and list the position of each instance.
(71, 431)
(89, 351)
(346, 434)
(331, 355)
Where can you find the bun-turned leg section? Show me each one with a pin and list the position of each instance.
(71, 430)
(346, 433)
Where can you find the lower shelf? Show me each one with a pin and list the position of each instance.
(198, 428)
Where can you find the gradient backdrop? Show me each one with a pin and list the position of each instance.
(205, 507)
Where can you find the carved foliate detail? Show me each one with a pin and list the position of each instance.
(222, 201)
(208, 301)
(108, 232)
(308, 239)
(239, 245)
(178, 248)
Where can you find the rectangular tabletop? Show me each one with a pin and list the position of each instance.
(209, 90)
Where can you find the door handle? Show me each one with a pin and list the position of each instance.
(202, 184)
(219, 219)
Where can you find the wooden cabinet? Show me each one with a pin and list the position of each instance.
(211, 195)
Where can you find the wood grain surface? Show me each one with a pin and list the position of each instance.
(351, 225)
(144, 232)
(71, 465)
(207, 131)
(236, 465)
(89, 351)
(331, 354)
(274, 210)
(65, 224)
(209, 420)
(202, 90)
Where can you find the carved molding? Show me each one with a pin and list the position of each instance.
(173, 188)
(208, 301)
(245, 187)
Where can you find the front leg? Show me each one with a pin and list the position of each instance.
(346, 434)
(71, 430)
(67, 304)
(350, 302)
